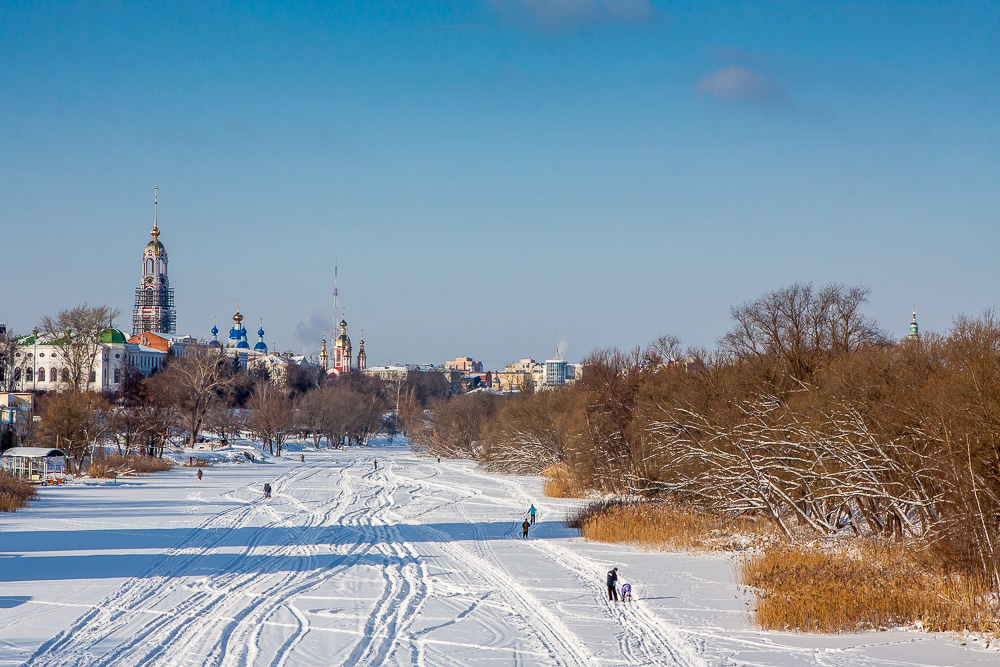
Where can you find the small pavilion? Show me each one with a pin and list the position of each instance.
(35, 464)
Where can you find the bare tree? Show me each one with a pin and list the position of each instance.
(224, 421)
(310, 415)
(192, 384)
(801, 328)
(75, 422)
(271, 415)
(76, 333)
(8, 361)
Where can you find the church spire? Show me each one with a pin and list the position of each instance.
(155, 233)
(914, 330)
(362, 356)
(324, 357)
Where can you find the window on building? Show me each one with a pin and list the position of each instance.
(17, 375)
(29, 375)
(41, 375)
(118, 375)
(64, 376)
(93, 376)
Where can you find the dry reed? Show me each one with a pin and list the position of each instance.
(666, 525)
(117, 465)
(559, 483)
(869, 586)
(15, 493)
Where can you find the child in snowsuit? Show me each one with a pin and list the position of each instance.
(612, 588)
(626, 592)
(524, 528)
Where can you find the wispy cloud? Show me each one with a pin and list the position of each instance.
(741, 85)
(561, 15)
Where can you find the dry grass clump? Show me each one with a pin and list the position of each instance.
(559, 483)
(117, 465)
(666, 525)
(869, 586)
(15, 492)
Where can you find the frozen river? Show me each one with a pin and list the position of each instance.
(413, 563)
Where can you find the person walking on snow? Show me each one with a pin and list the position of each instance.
(532, 513)
(200, 474)
(376, 465)
(626, 592)
(524, 529)
(612, 580)
(267, 490)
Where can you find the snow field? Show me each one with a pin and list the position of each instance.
(416, 563)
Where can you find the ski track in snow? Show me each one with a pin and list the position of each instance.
(405, 571)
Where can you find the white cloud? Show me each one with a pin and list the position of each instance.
(740, 84)
(568, 14)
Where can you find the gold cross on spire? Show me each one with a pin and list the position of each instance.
(156, 231)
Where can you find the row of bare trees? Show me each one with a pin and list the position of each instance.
(806, 413)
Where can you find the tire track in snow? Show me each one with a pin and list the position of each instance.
(405, 578)
(563, 646)
(138, 597)
(646, 639)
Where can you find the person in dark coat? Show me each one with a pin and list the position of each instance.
(612, 587)
(524, 528)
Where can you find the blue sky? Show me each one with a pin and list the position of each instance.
(499, 177)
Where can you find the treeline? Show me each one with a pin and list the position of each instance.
(805, 413)
(206, 391)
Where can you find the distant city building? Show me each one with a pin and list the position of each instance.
(473, 381)
(16, 414)
(526, 365)
(512, 381)
(555, 371)
(154, 298)
(397, 373)
(464, 365)
(39, 364)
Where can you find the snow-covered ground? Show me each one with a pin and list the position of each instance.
(415, 563)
